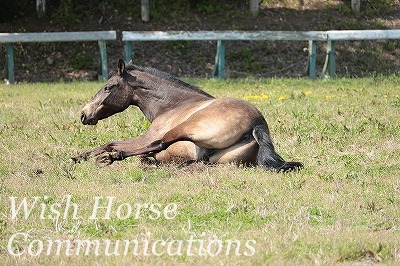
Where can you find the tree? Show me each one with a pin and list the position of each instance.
(7, 9)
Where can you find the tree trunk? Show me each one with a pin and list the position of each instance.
(355, 6)
(145, 10)
(41, 8)
(254, 7)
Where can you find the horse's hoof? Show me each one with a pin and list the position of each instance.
(75, 160)
(68, 168)
(104, 160)
(79, 158)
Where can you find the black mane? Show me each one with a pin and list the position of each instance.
(166, 76)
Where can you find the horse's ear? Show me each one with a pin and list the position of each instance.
(130, 62)
(121, 67)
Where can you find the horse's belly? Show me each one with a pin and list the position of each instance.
(181, 151)
(241, 152)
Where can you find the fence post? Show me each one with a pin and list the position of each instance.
(103, 59)
(10, 62)
(331, 50)
(219, 67)
(128, 51)
(312, 58)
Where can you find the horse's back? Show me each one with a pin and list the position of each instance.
(232, 113)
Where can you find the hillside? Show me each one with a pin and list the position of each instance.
(66, 61)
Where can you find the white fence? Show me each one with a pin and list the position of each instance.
(128, 37)
(221, 36)
(100, 36)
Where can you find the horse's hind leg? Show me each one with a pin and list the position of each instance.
(203, 134)
(171, 137)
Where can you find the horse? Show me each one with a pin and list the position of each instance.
(187, 124)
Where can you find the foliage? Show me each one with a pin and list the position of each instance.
(82, 61)
(70, 11)
(7, 8)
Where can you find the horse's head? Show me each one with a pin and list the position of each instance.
(113, 98)
(152, 90)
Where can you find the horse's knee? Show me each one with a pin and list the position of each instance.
(158, 145)
(111, 146)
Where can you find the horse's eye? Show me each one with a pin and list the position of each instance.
(107, 89)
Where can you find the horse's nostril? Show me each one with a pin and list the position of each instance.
(83, 117)
(88, 120)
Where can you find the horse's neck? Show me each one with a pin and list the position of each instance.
(155, 102)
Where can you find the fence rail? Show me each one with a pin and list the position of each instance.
(221, 36)
(351, 35)
(128, 37)
(100, 36)
(224, 35)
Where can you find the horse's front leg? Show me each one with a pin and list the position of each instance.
(84, 156)
(111, 151)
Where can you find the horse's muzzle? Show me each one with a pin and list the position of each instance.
(87, 121)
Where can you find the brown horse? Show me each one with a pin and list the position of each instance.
(187, 124)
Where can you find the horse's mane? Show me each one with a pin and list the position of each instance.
(166, 76)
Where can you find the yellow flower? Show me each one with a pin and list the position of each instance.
(282, 97)
(307, 93)
(328, 96)
(385, 96)
(265, 96)
(253, 97)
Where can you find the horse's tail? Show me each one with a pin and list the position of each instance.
(267, 156)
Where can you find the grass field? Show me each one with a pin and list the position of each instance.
(342, 208)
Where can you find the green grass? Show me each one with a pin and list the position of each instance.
(342, 208)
